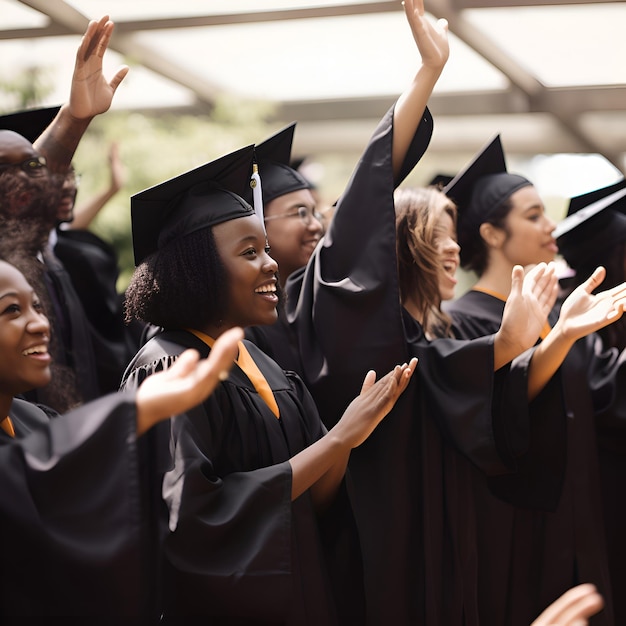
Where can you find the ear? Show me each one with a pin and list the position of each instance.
(492, 235)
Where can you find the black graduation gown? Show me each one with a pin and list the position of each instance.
(412, 501)
(92, 266)
(541, 529)
(69, 517)
(278, 342)
(240, 552)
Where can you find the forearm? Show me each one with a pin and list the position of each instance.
(546, 360)
(85, 213)
(504, 350)
(322, 465)
(59, 141)
(408, 112)
(323, 492)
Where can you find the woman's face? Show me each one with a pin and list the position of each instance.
(24, 335)
(530, 237)
(448, 255)
(251, 272)
(291, 236)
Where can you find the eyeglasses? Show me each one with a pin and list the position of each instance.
(304, 213)
(33, 166)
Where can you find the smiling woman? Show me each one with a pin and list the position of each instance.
(24, 338)
(253, 465)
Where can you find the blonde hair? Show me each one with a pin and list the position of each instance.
(418, 211)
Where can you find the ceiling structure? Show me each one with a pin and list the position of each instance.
(549, 76)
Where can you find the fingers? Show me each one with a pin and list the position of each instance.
(595, 279)
(370, 379)
(105, 36)
(406, 374)
(573, 607)
(517, 279)
(442, 26)
(224, 352)
(184, 364)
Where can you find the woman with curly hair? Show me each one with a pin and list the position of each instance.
(256, 496)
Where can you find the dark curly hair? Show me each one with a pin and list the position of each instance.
(182, 285)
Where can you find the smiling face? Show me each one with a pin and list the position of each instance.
(529, 239)
(448, 255)
(65, 209)
(251, 271)
(292, 239)
(24, 336)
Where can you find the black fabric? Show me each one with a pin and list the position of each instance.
(240, 551)
(207, 195)
(29, 123)
(71, 329)
(278, 341)
(528, 555)
(70, 520)
(411, 493)
(92, 266)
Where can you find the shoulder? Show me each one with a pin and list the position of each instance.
(158, 353)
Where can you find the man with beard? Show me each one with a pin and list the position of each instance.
(31, 179)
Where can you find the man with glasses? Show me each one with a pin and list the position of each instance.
(294, 228)
(33, 166)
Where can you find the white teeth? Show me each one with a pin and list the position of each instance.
(35, 350)
(266, 289)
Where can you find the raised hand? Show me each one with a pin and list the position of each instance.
(583, 312)
(376, 399)
(91, 94)
(187, 383)
(431, 39)
(526, 311)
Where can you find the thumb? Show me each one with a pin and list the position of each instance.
(517, 280)
(595, 279)
(119, 77)
(370, 379)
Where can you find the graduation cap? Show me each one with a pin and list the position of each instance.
(30, 123)
(596, 221)
(273, 157)
(208, 195)
(482, 186)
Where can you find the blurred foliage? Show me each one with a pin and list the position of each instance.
(26, 89)
(153, 148)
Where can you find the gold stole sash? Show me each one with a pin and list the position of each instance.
(7, 426)
(251, 370)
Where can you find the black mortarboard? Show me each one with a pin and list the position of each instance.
(208, 195)
(596, 221)
(30, 123)
(273, 157)
(482, 186)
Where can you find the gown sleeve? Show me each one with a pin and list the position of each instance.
(70, 515)
(344, 307)
(229, 544)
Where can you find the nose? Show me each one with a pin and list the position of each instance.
(316, 223)
(269, 264)
(38, 323)
(452, 245)
(550, 223)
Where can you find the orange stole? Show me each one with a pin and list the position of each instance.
(7, 426)
(251, 370)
